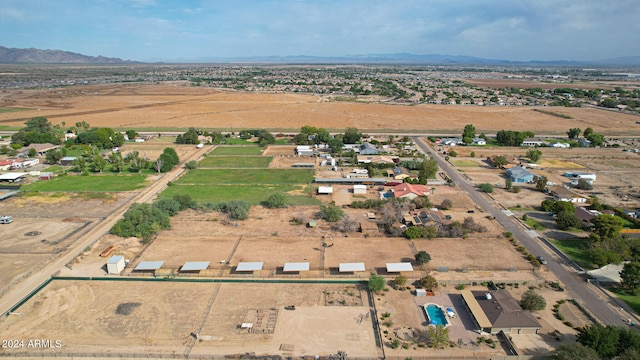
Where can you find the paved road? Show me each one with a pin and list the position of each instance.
(20, 290)
(602, 308)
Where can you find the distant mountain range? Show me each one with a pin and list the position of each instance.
(37, 56)
(404, 58)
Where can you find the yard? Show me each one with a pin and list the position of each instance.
(97, 183)
(235, 162)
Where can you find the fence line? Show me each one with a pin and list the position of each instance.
(248, 356)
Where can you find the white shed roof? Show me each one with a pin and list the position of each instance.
(12, 176)
(325, 189)
(194, 266)
(296, 266)
(351, 267)
(399, 267)
(149, 265)
(115, 259)
(250, 266)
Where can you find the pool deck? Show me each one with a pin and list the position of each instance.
(460, 327)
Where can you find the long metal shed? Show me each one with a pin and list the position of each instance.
(399, 267)
(250, 266)
(351, 267)
(149, 266)
(296, 266)
(195, 266)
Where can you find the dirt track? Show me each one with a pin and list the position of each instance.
(165, 106)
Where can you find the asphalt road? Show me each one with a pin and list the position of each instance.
(604, 309)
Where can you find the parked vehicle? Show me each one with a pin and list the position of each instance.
(542, 260)
(6, 219)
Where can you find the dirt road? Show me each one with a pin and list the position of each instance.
(21, 289)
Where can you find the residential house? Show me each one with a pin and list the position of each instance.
(450, 141)
(532, 142)
(518, 174)
(377, 159)
(411, 191)
(6, 164)
(497, 311)
(585, 215)
(584, 142)
(369, 149)
(560, 193)
(398, 173)
(41, 149)
(479, 141)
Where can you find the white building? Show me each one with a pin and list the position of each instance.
(115, 265)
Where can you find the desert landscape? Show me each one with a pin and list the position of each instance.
(164, 107)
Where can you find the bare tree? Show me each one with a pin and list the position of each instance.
(347, 224)
(158, 165)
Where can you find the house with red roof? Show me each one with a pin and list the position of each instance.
(411, 191)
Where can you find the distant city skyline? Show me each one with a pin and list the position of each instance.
(155, 30)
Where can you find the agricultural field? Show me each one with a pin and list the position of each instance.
(230, 162)
(237, 150)
(92, 183)
(157, 107)
(247, 176)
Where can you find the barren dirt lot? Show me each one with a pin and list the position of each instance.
(315, 327)
(166, 106)
(127, 317)
(44, 226)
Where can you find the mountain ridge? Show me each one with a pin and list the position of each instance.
(39, 56)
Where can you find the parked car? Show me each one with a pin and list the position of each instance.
(542, 260)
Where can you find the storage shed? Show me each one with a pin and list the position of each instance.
(325, 190)
(115, 264)
(359, 189)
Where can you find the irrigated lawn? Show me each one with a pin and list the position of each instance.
(247, 176)
(97, 183)
(576, 250)
(631, 300)
(235, 162)
(465, 163)
(237, 150)
(253, 194)
(6, 110)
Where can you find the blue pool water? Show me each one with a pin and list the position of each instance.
(435, 315)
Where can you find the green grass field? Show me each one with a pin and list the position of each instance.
(95, 183)
(235, 162)
(631, 300)
(465, 163)
(237, 150)
(237, 141)
(576, 250)
(253, 194)
(247, 176)
(7, 110)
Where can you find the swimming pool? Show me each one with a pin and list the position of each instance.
(435, 315)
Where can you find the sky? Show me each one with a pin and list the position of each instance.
(163, 30)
